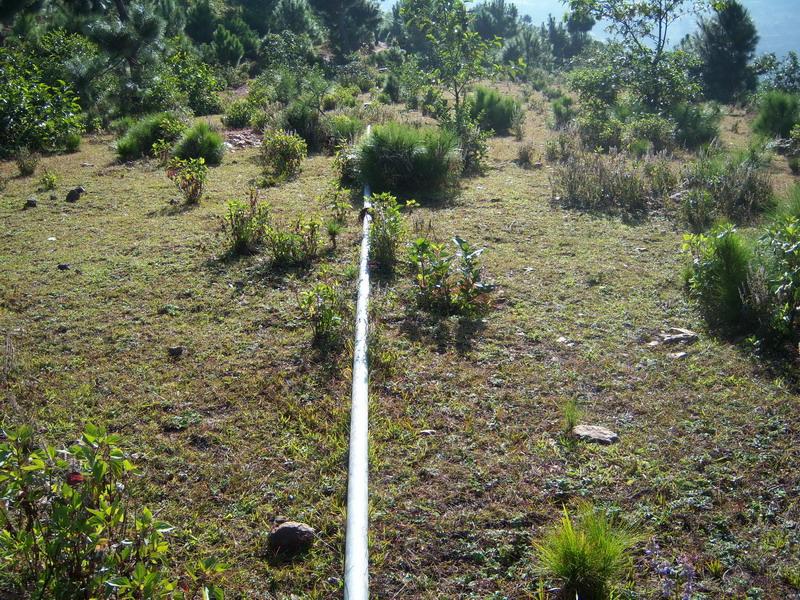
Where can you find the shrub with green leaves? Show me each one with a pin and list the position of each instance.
(343, 129)
(493, 110)
(697, 209)
(201, 141)
(449, 282)
(189, 176)
(48, 181)
(139, 137)
(407, 160)
(324, 306)
(600, 129)
(588, 554)
(238, 114)
(304, 118)
(594, 182)
(282, 154)
(778, 112)
(387, 230)
(657, 131)
(246, 223)
(69, 529)
(294, 246)
(718, 274)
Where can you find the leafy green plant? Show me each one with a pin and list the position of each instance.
(493, 110)
(718, 274)
(324, 307)
(282, 154)
(333, 228)
(587, 554)
(657, 130)
(138, 139)
(27, 161)
(697, 209)
(238, 114)
(778, 112)
(297, 245)
(201, 141)
(343, 129)
(246, 223)
(48, 181)
(696, 124)
(161, 150)
(386, 231)
(403, 159)
(337, 200)
(68, 528)
(448, 283)
(189, 176)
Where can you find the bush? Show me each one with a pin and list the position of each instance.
(282, 154)
(718, 275)
(657, 130)
(778, 112)
(449, 283)
(562, 148)
(525, 154)
(35, 114)
(598, 129)
(697, 210)
(304, 118)
(696, 124)
(27, 161)
(794, 165)
(739, 183)
(386, 231)
(189, 176)
(68, 528)
(493, 110)
(201, 141)
(563, 111)
(343, 129)
(404, 159)
(197, 81)
(238, 114)
(139, 138)
(295, 246)
(588, 554)
(391, 88)
(324, 307)
(48, 181)
(599, 183)
(246, 224)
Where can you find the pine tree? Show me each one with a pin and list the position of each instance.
(352, 23)
(726, 45)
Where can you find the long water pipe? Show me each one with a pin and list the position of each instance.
(356, 562)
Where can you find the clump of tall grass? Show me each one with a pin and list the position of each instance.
(587, 554)
(140, 136)
(201, 141)
(589, 181)
(739, 182)
(407, 160)
(493, 110)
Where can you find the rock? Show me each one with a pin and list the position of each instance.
(678, 355)
(290, 538)
(595, 433)
(31, 202)
(678, 335)
(176, 351)
(538, 165)
(53, 197)
(63, 267)
(75, 194)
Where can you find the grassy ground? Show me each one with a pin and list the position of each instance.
(468, 463)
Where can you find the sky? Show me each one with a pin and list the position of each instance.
(778, 21)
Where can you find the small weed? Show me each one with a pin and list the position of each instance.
(48, 181)
(387, 231)
(246, 223)
(333, 229)
(324, 308)
(295, 246)
(161, 150)
(571, 414)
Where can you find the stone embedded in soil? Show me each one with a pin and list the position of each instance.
(290, 538)
(63, 267)
(31, 202)
(176, 351)
(595, 433)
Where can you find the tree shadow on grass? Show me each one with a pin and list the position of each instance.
(173, 209)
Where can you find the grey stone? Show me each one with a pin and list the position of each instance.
(291, 538)
(595, 433)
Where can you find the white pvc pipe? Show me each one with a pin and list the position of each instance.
(356, 562)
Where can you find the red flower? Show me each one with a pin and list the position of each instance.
(74, 478)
